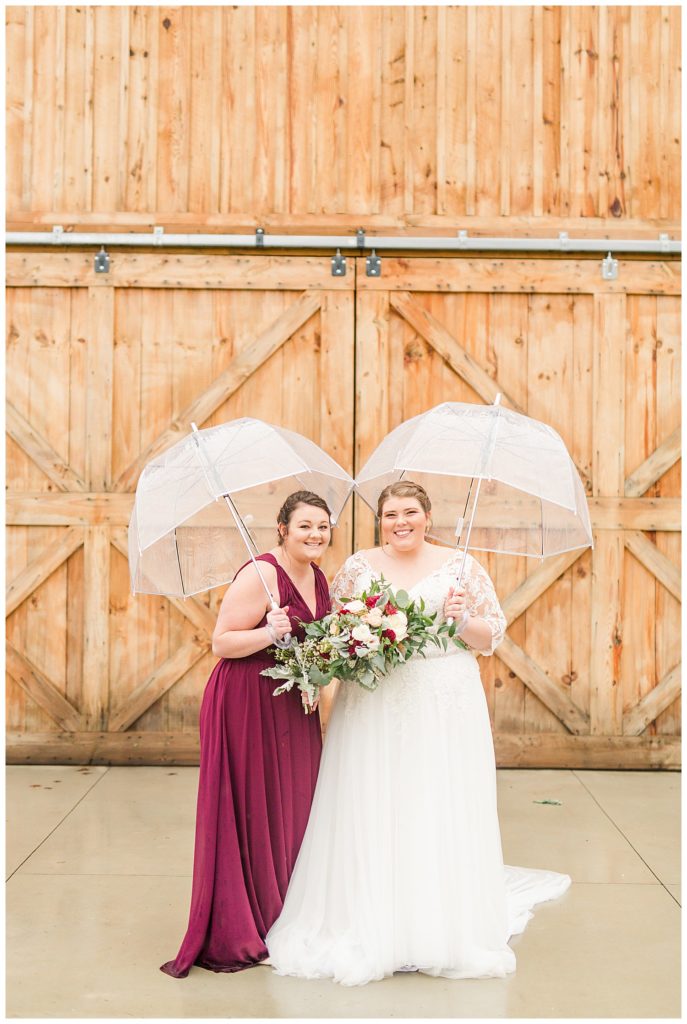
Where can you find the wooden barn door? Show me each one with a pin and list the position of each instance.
(104, 371)
(588, 674)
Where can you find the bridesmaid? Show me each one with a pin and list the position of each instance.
(259, 754)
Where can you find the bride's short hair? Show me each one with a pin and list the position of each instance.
(405, 489)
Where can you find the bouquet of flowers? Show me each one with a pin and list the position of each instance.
(361, 642)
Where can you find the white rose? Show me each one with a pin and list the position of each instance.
(362, 633)
(355, 607)
(398, 623)
(373, 644)
(374, 617)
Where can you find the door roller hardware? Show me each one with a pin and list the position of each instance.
(101, 264)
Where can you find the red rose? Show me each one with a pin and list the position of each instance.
(372, 601)
(390, 610)
(389, 634)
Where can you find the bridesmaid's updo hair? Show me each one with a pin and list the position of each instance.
(292, 503)
(405, 489)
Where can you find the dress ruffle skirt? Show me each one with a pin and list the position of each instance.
(401, 865)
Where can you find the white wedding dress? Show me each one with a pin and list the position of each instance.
(401, 865)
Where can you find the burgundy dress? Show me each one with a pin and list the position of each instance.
(259, 757)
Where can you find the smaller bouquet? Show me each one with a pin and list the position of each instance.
(361, 643)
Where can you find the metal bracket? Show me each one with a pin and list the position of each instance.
(360, 238)
(259, 237)
(57, 233)
(564, 240)
(338, 265)
(157, 235)
(609, 268)
(373, 265)
(463, 239)
(101, 264)
(665, 242)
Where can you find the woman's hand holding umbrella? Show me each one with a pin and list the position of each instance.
(474, 632)
(278, 623)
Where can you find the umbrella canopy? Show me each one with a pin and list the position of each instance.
(182, 537)
(531, 499)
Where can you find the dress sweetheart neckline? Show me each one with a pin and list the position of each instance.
(435, 572)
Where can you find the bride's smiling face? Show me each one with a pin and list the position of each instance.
(403, 524)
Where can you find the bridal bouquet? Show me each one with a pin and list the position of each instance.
(360, 643)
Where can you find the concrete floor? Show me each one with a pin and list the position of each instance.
(99, 864)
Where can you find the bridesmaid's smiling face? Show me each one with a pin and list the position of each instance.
(403, 523)
(308, 534)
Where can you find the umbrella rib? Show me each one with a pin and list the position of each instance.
(181, 575)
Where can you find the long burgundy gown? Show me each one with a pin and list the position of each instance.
(259, 757)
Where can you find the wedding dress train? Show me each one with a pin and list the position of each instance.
(401, 865)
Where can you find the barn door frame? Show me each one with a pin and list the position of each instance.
(95, 508)
(608, 735)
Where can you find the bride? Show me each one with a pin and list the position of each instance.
(401, 866)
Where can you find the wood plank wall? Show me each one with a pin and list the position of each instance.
(509, 118)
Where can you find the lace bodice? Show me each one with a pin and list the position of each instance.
(357, 573)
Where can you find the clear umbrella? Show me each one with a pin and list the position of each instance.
(498, 480)
(211, 499)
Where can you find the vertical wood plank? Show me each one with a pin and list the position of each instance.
(302, 62)
(507, 133)
(425, 142)
(509, 338)
(372, 391)
(240, 88)
(126, 378)
(550, 364)
(76, 457)
(42, 181)
(409, 109)
(471, 109)
(58, 112)
(99, 387)
(488, 112)
(618, 40)
(672, 186)
(362, 33)
(173, 108)
(205, 106)
(140, 178)
(567, 134)
(328, 188)
(108, 139)
(17, 42)
(337, 404)
(580, 445)
(392, 181)
(75, 194)
(521, 105)
(668, 411)
(648, 54)
(27, 197)
(608, 479)
(96, 583)
(638, 670)
(455, 119)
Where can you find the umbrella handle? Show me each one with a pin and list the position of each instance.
(286, 640)
(450, 620)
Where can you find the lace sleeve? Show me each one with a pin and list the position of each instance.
(483, 603)
(343, 584)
